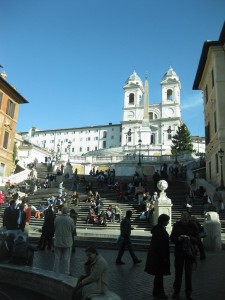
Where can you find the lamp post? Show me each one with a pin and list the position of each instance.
(221, 154)
(139, 158)
(69, 147)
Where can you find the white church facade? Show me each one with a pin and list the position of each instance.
(145, 128)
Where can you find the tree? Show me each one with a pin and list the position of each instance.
(14, 152)
(182, 141)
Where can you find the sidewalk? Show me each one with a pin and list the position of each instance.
(132, 283)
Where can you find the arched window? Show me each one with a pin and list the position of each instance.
(169, 95)
(131, 98)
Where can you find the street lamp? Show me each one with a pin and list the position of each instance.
(139, 158)
(69, 147)
(221, 154)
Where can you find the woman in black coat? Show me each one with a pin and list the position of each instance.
(158, 258)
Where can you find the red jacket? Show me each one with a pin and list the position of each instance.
(28, 214)
(2, 198)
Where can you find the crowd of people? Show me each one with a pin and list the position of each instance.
(59, 231)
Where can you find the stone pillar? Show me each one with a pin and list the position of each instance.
(212, 227)
(163, 204)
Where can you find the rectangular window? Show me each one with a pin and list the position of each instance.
(96, 148)
(2, 168)
(104, 144)
(212, 78)
(80, 149)
(217, 163)
(10, 110)
(129, 139)
(206, 94)
(215, 122)
(152, 138)
(207, 134)
(72, 149)
(112, 137)
(210, 171)
(6, 140)
(88, 148)
(104, 134)
(1, 96)
(96, 138)
(88, 139)
(151, 115)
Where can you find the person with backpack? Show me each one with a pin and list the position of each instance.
(185, 237)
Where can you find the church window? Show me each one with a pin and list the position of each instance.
(152, 138)
(169, 95)
(129, 139)
(131, 98)
(169, 133)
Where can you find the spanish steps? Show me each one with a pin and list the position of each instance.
(89, 233)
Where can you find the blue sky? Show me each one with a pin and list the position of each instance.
(70, 58)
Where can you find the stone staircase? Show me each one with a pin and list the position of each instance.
(88, 233)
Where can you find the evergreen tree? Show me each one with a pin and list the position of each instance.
(182, 141)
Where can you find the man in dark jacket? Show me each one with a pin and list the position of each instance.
(12, 219)
(185, 236)
(125, 232)
(158, 258)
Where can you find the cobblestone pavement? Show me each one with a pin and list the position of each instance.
(132, 283)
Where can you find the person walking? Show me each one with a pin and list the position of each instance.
(125, 232)
(95, 282)
(185, 237)
(64, 228)
(158, 258)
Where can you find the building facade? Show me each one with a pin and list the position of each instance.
(210, 78)
(9, 108)
(146, 128)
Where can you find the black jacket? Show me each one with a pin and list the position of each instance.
(158, 258)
